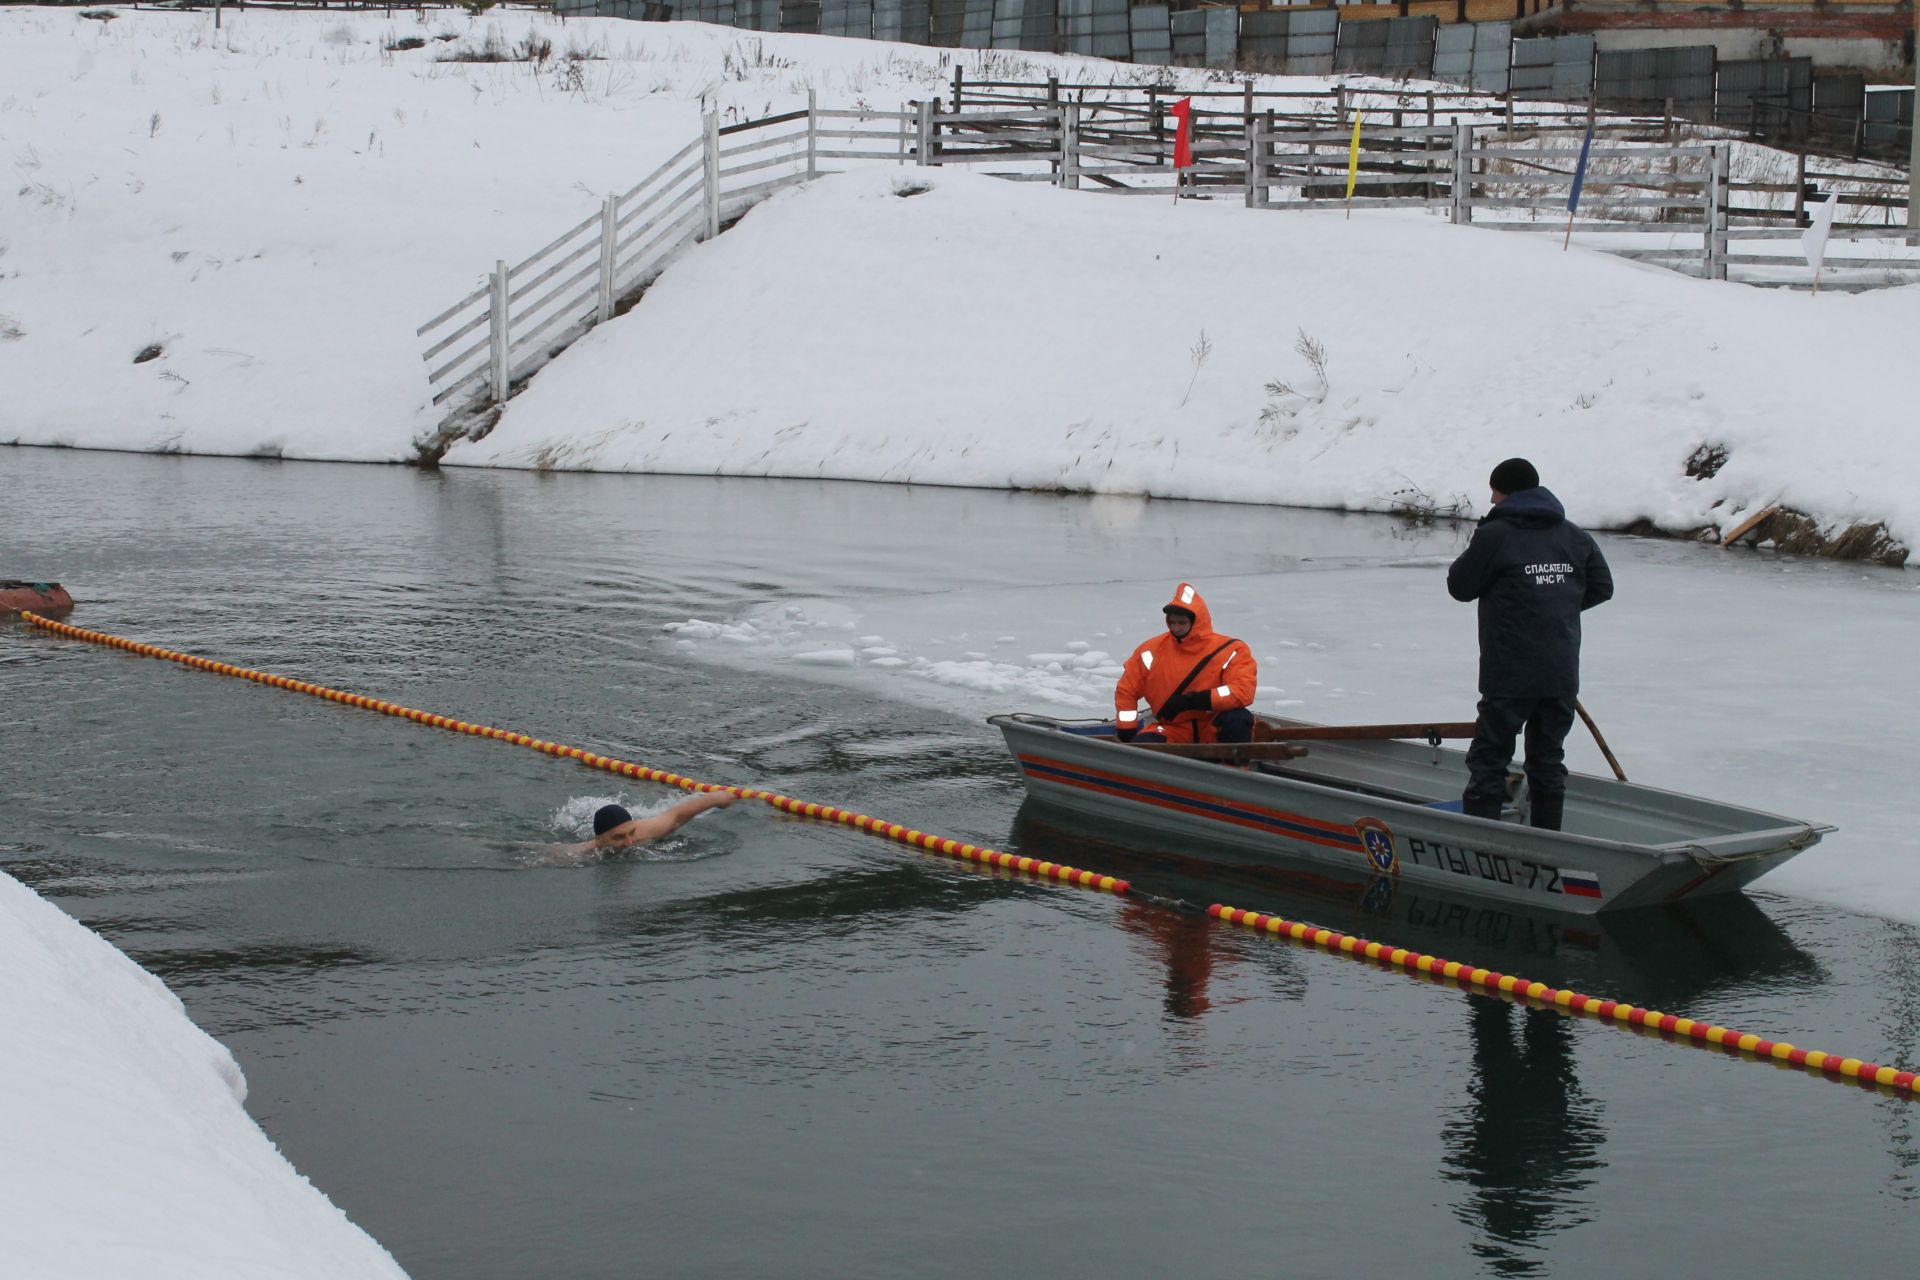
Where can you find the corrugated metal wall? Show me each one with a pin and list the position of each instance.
(1777, 93)
(907, 21)
(1293, 43)
(1474, 54)
(1395, 47)
(1889, 115)
(847, 18)
(1553, 67)
(1646, 79)
(1150, 32)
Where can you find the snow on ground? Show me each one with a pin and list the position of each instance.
(128, 1152)
(279, 204)
(1053, 339)
(275, 207)
(1690, 672)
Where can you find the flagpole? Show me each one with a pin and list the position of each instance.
(1353, 161)
(1579, 174)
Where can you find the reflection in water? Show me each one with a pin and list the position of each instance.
(1527, 1141)
(1662, 958)
(1184, 944)
(1903, 1033)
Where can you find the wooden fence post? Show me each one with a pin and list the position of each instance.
(923, 134)
(1069, 175)
(1256, 174)
(609, 238)
(1266, 164)
(711, 167)
(813, 136)
(959, 82)
(1462, 172)
(1713, 248)
(497, 333)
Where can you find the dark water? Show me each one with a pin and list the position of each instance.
(781, 1048)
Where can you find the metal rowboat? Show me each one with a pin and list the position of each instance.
(1379, 807)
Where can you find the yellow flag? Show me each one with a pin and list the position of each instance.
(1353, 156)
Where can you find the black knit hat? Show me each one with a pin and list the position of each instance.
(1515, 475)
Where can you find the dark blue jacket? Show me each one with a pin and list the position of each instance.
(1533, 572)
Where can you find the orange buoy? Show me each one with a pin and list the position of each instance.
(41, 597)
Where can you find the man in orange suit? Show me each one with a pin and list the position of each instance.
(1199, 684)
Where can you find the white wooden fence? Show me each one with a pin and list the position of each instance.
(527, 312)
(481, 348)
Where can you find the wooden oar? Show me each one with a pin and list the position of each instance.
(1265, 731)
(1605, 750)
(1234, 751)
(1280, 742)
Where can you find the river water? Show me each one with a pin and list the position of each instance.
(777, 1047)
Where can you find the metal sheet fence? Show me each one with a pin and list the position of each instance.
(1474, 54)
(1888, 116)
(847, 18)
(905, 21)
(1290, 40)
(1394, 47)
(1553, 67)
(1150, 34)
(1646, 79)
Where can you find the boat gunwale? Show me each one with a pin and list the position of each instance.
(1808, 833)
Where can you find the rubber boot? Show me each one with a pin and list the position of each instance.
(1481, 807)
(1547, 810)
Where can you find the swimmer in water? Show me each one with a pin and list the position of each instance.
(615, 828)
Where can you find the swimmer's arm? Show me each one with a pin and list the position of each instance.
(660, 824)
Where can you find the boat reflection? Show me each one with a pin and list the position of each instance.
(1657, 958)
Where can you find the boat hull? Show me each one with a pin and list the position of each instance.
(1254, 816)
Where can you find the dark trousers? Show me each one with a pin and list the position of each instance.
(1228, 726)
(1546, 721)
(1234, 726)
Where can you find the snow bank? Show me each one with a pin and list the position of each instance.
(1002, 334)
(127, 1150)
(276, 206)
(271, 210)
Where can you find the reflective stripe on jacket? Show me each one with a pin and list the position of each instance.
(1157, 667)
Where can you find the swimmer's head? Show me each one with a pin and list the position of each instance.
(609, 816)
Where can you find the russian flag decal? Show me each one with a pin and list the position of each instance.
(1581, 884)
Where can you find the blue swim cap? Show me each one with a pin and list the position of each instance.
(609, 816)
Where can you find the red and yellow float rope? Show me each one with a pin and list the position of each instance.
(1484, 981)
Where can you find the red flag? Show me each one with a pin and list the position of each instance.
(1183, 134)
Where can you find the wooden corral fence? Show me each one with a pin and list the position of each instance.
(1672, 203)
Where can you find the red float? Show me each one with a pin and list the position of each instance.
(40, 597)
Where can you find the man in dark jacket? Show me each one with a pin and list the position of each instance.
(1533, 572)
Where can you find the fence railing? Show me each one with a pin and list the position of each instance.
(1507, 178)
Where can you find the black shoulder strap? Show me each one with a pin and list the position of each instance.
(1198, 668)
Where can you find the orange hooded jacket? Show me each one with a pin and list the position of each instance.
(1157, 667)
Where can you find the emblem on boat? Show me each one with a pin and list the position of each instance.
(1377, 841)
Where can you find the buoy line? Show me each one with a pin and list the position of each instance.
(1471, 978)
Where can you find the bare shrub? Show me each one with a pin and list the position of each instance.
(1705, 462)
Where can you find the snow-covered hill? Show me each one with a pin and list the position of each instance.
(269, 211)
